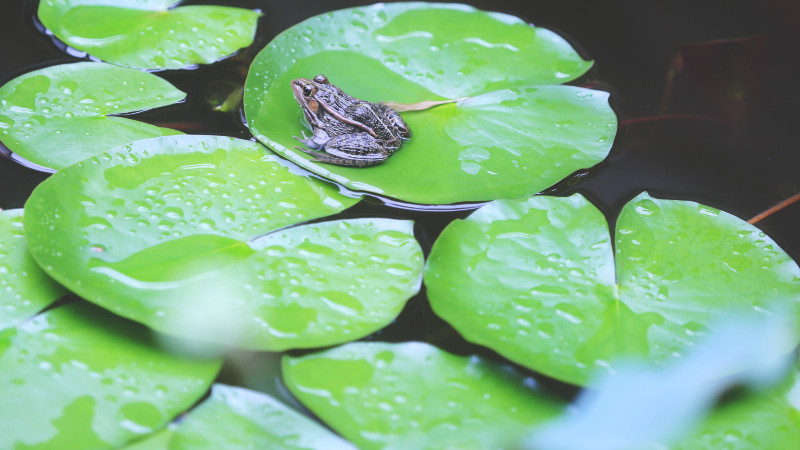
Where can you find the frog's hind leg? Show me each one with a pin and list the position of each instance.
(328, 159)
(359, 149)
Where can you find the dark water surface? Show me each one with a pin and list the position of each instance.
(705, 92)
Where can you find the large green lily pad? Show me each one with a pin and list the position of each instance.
(24, 288)
(150, 34)
(240, 418)
(179, 233)
(62, 114)
(518, 134)
(537, 281)
(80, 377)
(413, 395)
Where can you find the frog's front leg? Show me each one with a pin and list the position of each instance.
(316, 141)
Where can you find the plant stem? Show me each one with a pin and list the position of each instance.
(774, 209)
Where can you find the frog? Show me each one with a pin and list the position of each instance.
(346, 131)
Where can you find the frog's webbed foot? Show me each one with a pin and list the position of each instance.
(310, 151)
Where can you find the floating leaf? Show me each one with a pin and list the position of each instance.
(156, 441)
(80, 377)
(413, 395)
(150, 34)
(169, 232)
(240, 418)
(768, 420)
(24, 288)
(626, 410)
(516, 136)
(534, 280)
(62, 114)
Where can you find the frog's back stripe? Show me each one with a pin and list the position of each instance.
(344, 119)
(364, 110)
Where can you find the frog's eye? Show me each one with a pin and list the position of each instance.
(321, 79)
(308, 90)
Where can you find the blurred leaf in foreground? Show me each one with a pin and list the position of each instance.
(638, 406)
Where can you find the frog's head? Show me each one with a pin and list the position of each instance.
(304, 91)
(314, 96)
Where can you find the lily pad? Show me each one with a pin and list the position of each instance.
(179, 233)
(62, 114)
(156, 441)
(518, 133)
(413, 395)
(24, 288)
(626, 410)
(535, 280)
(150, 34)
(757, 420)
(240, 418)
(80, 377)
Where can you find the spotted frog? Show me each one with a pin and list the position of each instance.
(345, 130)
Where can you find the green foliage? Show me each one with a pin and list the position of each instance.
(170, 232)
(218, 240)
(80, 377)
(149, 34)
(156, 441)
(62, 114)
(536, 280)
(768, 420)
(24, 288)
(240, 418)
(413, 395)
(627, 409)
(517, 135)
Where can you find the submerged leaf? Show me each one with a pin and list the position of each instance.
(184, 235)
(517, 134)
(413, 395)
(80, 377)
(24, 288)
(240, 418)
(535, 280)
(150, 34)
(62, 114)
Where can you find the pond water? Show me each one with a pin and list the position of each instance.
(704, 94)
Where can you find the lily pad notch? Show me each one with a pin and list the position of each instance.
(537, 280)
(62, 114)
